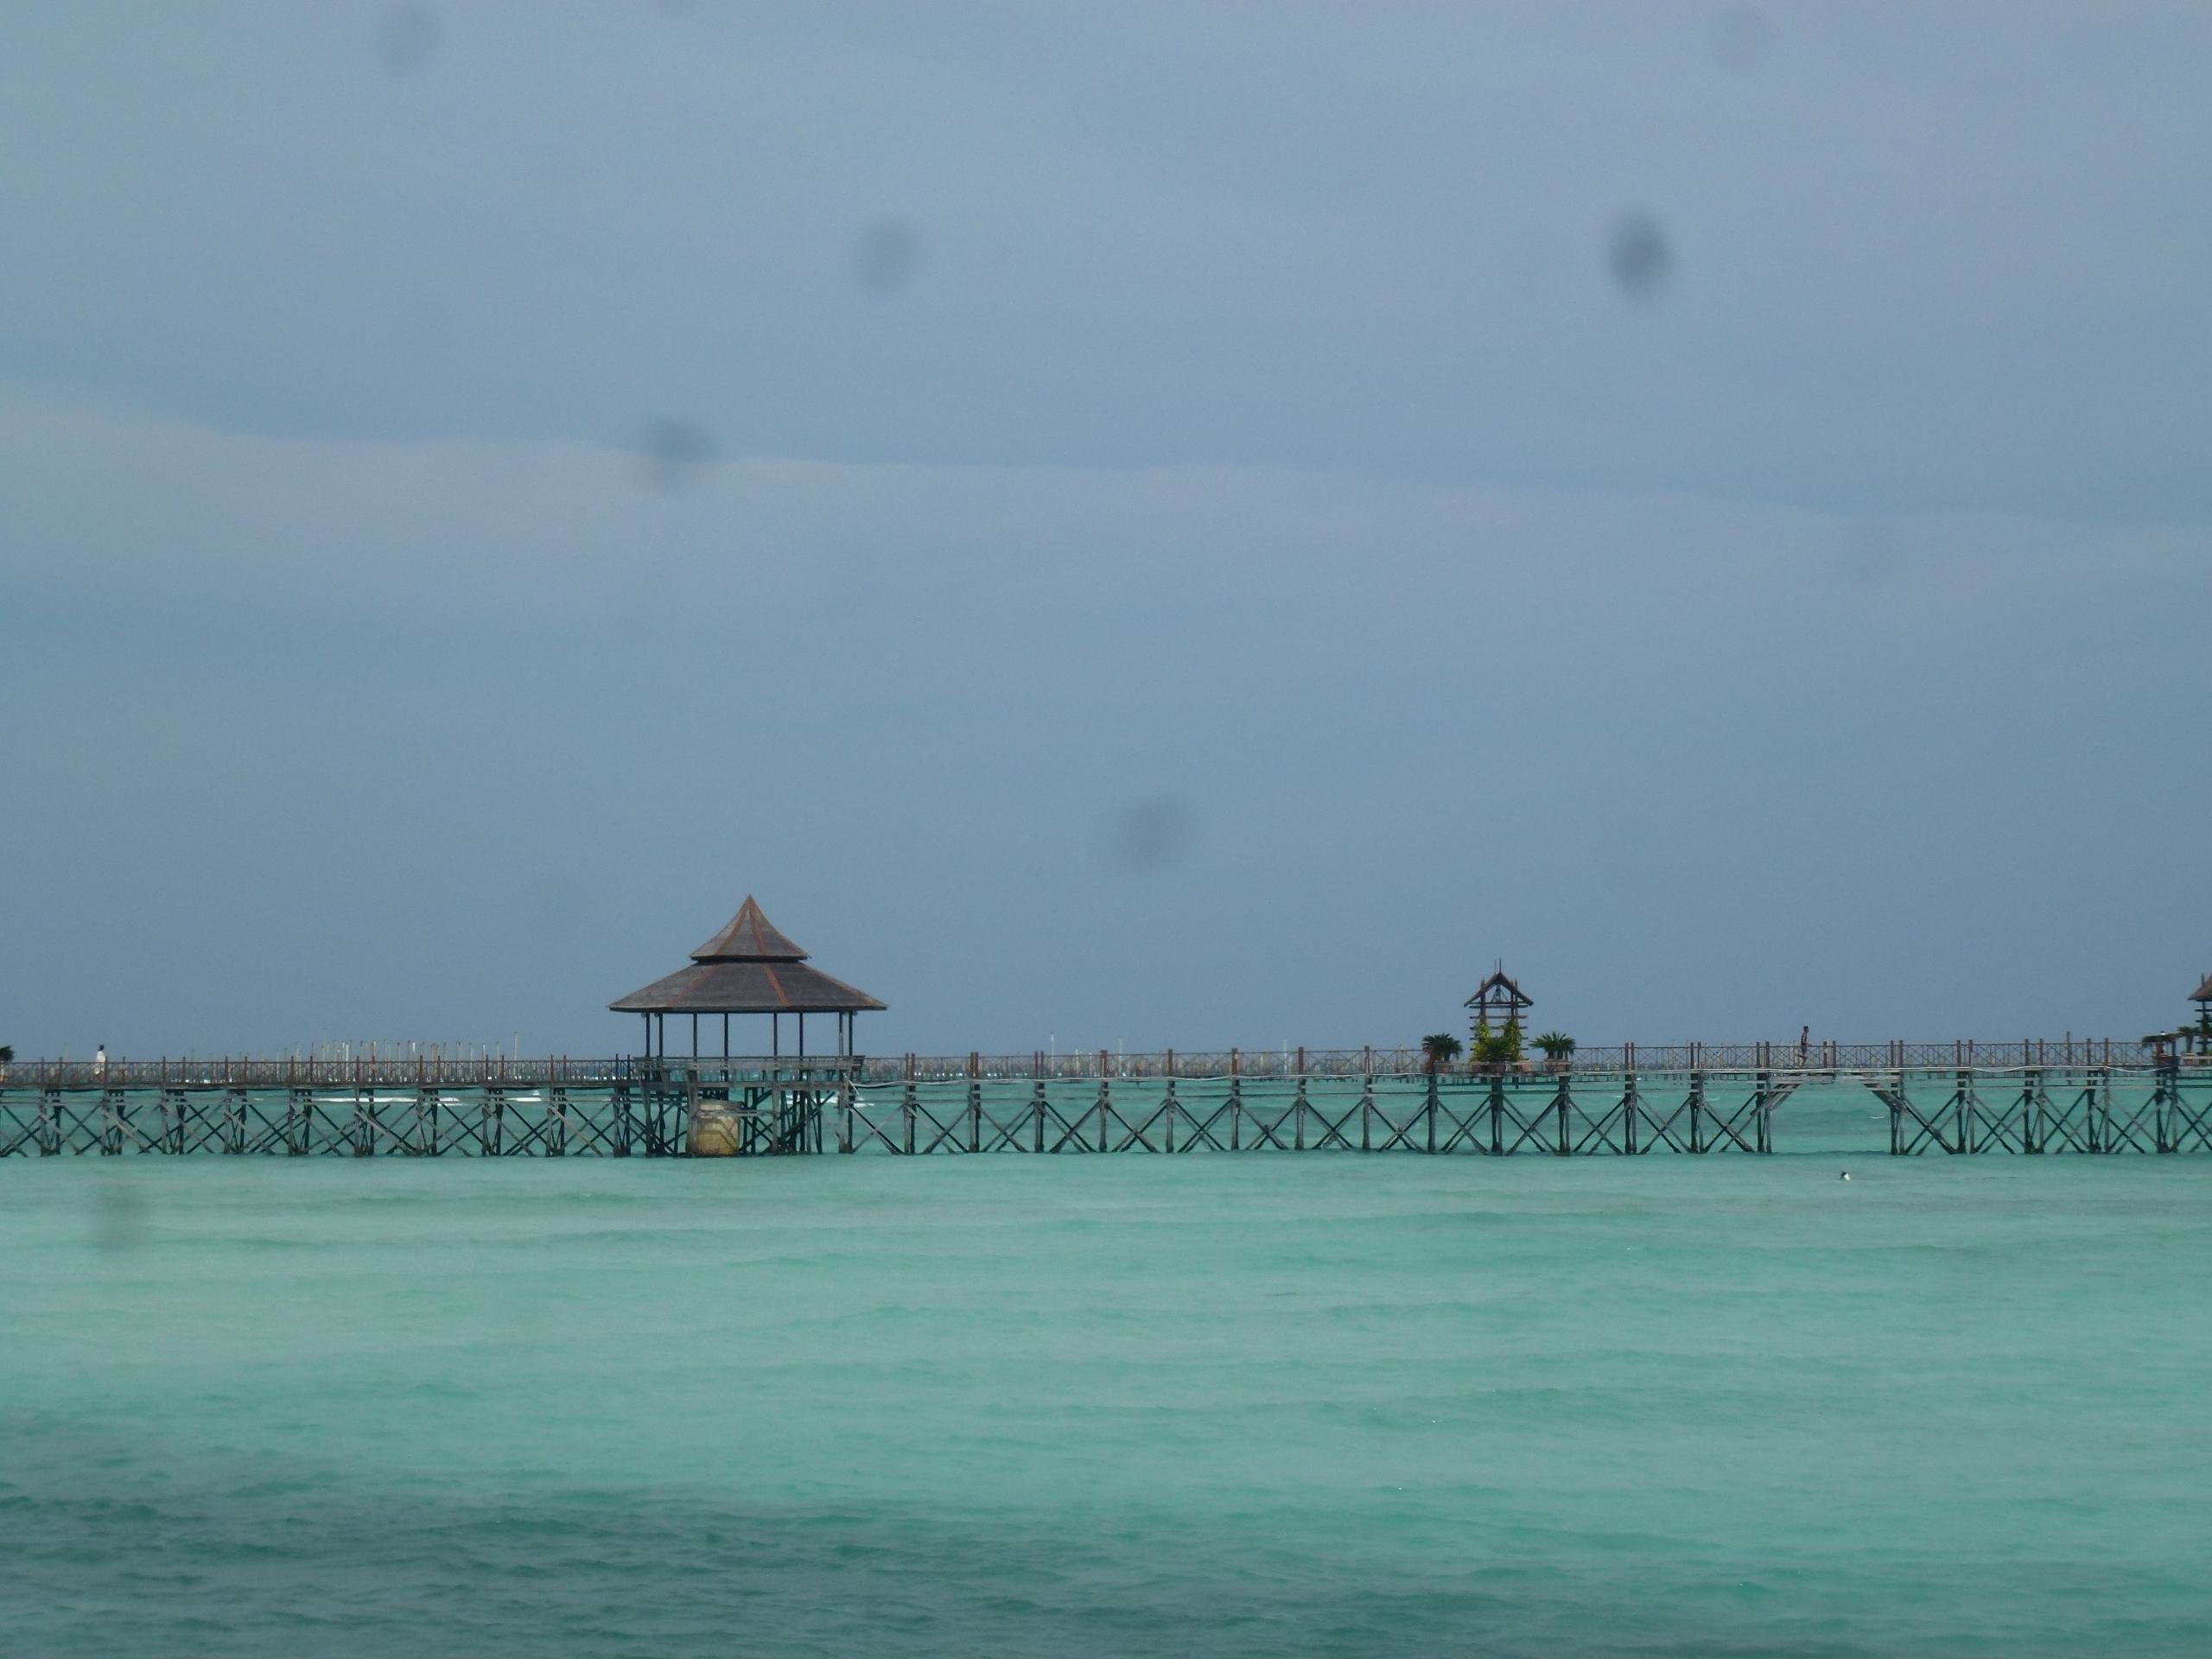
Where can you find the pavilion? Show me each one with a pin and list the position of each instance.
(747, 968)
(1499, 1001)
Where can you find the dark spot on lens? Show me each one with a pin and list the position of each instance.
(1740, 37)
(1871, 558)
(886, 255)
(406, 37)
(119, 1214)
(674, 453)
(1151, 836)
(1639, 256)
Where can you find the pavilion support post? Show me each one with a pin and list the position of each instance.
(907, 1107)
(1629, 1107)
(1298, 1118)
(1497, 1114)
(1236, 1113)
(1697, 1112)
(1037, 1108)
(1430, 1112)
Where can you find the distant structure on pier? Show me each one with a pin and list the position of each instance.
(2202, 998)
(750, 967)
(1499, 1001)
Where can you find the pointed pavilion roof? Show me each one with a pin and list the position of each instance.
(750, 937)
(750, 967)
(2204, 991)
(1500, 991)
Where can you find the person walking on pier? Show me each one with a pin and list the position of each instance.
(99, 1061)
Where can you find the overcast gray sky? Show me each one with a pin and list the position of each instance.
(1176, 525)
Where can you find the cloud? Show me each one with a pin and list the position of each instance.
(129, 506)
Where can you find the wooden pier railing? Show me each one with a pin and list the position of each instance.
(426, 1069)
(2012, 1098)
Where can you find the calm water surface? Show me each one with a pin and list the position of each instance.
(1203, 1405)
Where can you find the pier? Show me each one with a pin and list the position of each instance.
(2030, 1099)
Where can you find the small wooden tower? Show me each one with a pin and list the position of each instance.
(2202, 997)
(1498, 1002)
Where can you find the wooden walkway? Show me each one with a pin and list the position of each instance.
(915, 1106)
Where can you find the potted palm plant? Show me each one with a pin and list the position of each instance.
(1442, 1048)
(1558, 1049)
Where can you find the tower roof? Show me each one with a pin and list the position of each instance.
(1500, 991)
(2203, 992)
(747, 968)
(750, 937)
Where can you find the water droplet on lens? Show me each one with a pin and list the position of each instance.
(406, 37)
(1639, 255)
(884, 256)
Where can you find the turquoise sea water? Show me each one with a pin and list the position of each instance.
(1266, 1404)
